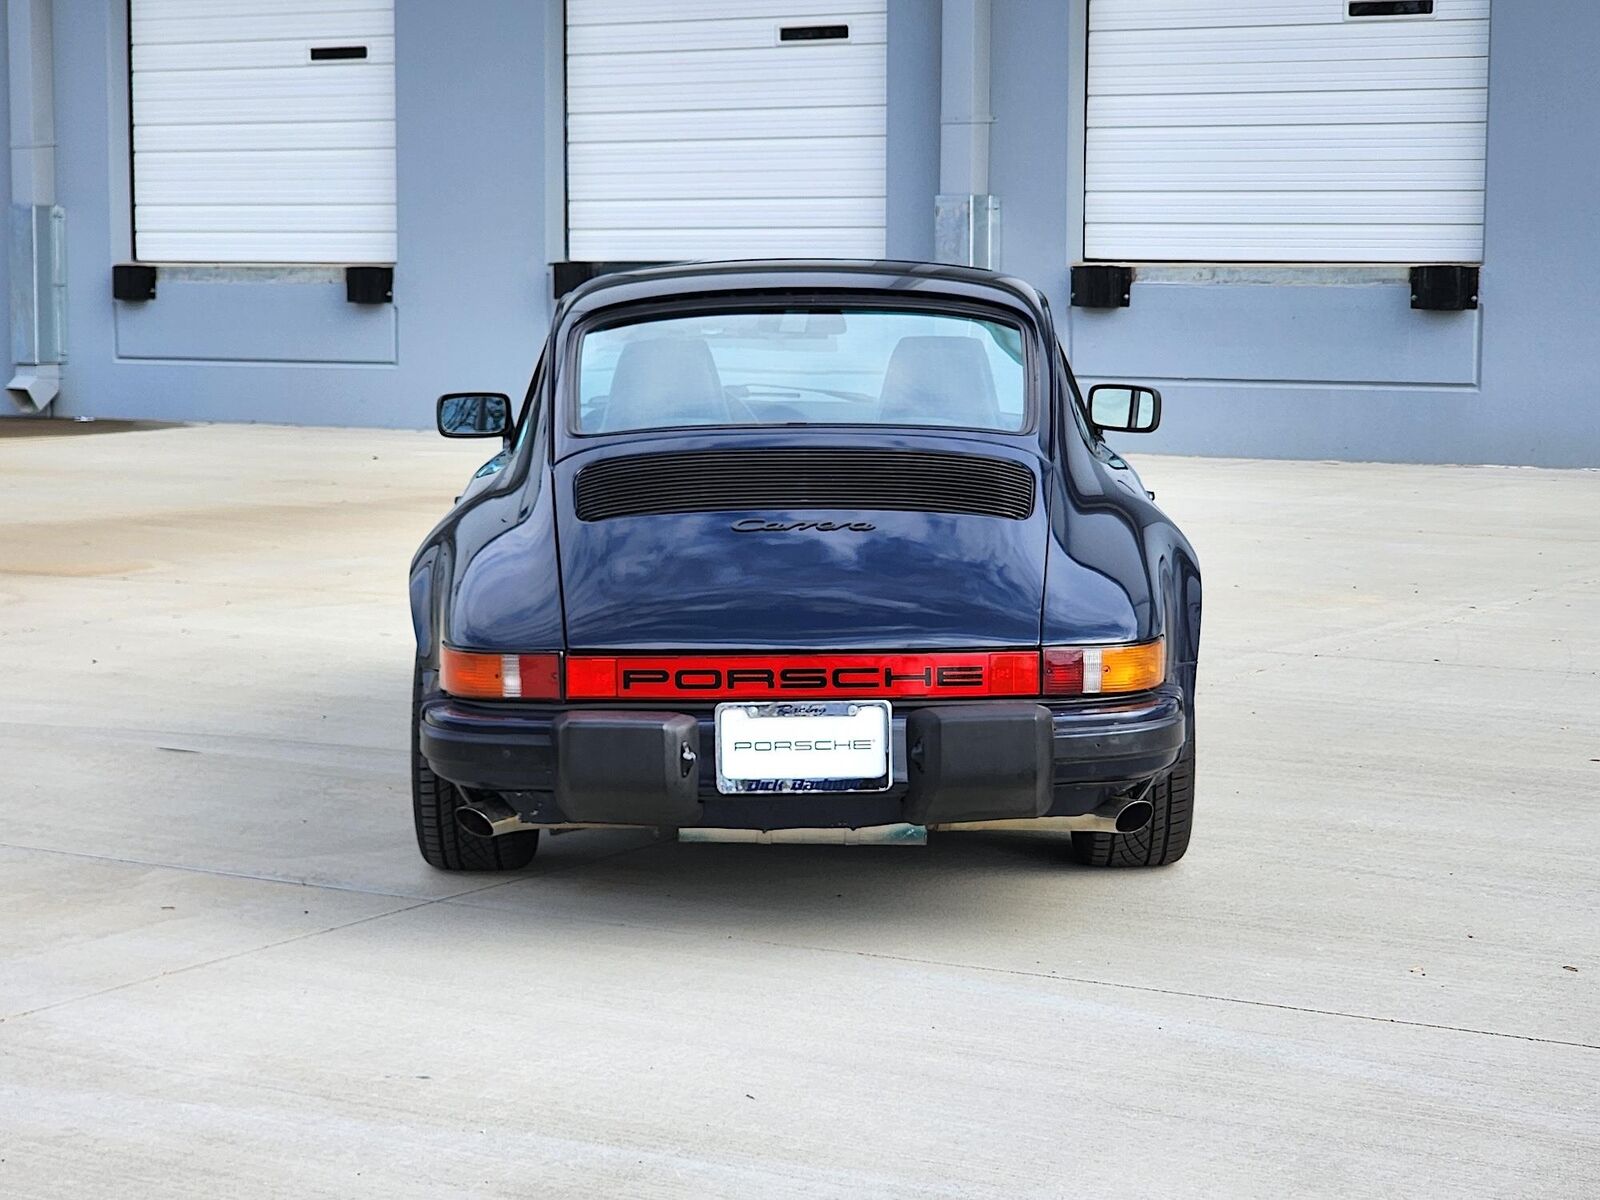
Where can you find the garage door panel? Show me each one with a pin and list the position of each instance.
(299, 246)
(1318, 207)
(1244, 175)
(292, 112)
(258, 147)
(191, 10)
(264, 135)
(742, 212)
(775, 81)
(702, 133)
(1278, 78)
(261, 218)
(668, 187)
(1450, 105)
(1355, 42)
(710, 124)
(1271, 243)
(582, 13)
(727, 157)
(665, 36)
(346, 84)
(819, 61)
(1229, 117)
(327, 26)
(646, 245)
(1169, 159)
(252, 54)
(754, 94)
(278, 177)
(1106, 15)
(687, 186)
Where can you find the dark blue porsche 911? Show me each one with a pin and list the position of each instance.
(804, 545)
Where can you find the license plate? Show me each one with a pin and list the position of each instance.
(804, 746)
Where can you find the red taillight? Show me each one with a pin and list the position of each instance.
(1103, 670)
(1063, 671)
(476, 676)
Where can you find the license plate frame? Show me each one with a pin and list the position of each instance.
(790, 774)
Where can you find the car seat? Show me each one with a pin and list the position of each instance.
(939, 381)
(663, 382)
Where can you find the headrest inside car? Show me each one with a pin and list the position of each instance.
(939, 381)
(665, 381)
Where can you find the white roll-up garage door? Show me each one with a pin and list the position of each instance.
(1286, 130)
(725, 129)
(263, 130)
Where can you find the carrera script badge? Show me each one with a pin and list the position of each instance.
(757, 525)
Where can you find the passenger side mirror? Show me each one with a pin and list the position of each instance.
(474, 414)
(1124, 408)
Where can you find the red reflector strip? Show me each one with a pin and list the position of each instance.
(591, 678)
(797, 676)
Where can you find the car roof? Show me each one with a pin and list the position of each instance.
(687, 279)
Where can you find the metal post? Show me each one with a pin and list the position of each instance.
(966, 216)
(36, 225)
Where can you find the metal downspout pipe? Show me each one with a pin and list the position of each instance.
(36, 224)
(966, 216)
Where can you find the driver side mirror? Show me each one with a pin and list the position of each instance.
(1124, 408)
(474, 414)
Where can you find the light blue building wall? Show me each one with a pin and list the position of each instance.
(259, 344)
(5, 192)
(1279, 362)
(1333, 367)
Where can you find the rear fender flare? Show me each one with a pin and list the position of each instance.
(430, 589)
(1177, 579)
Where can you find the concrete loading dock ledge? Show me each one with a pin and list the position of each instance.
(223, 970)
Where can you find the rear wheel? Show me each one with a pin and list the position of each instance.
(433, 808)
(1162, 841)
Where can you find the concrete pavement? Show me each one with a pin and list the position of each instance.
(225, 972)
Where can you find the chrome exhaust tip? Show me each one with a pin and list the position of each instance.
(1134, 816)
(489, 818)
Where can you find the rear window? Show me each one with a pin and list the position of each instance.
(803, 367)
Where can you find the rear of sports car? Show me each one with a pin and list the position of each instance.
(809, 576)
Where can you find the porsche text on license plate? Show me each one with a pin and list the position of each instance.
(804, 746)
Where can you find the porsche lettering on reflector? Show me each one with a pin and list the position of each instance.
(821, 746)
(791, 676)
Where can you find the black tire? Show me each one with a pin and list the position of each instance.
(1162, 841)
(433, 807)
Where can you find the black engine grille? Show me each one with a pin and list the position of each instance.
(719, 480)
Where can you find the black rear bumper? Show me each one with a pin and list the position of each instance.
(977, 760)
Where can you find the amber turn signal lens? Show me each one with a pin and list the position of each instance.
(1103, 670)
(476, 676)
(1133, 668)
